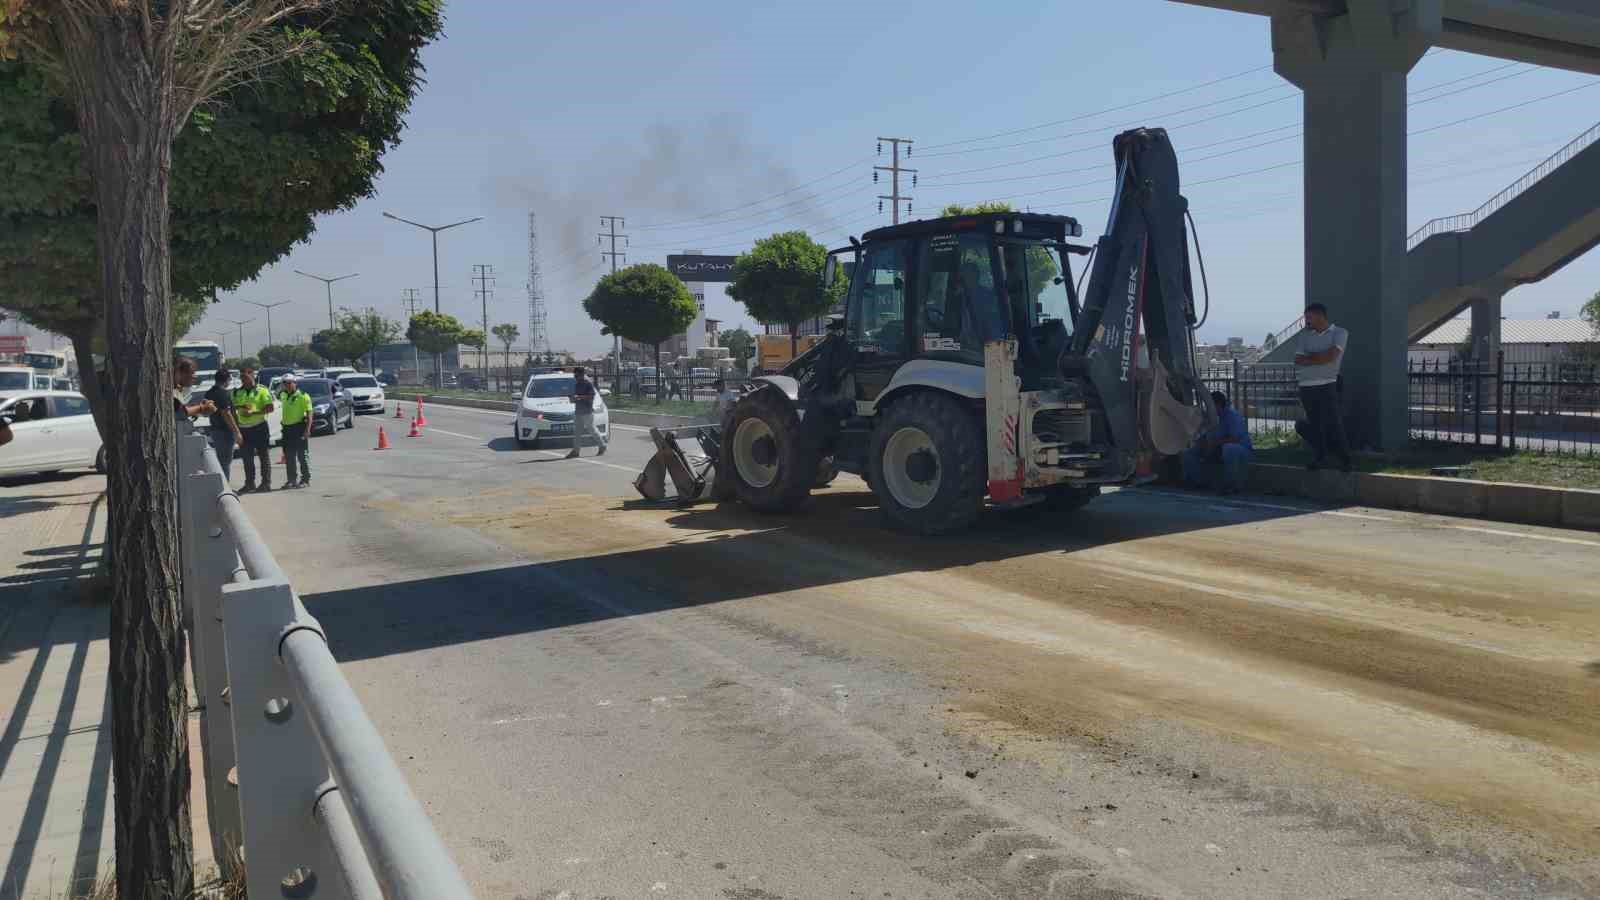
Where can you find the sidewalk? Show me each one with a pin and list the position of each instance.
(55, 760)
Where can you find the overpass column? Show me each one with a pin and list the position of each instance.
(1352, 69)
(1486, 328)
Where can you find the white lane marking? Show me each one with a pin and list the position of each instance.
(1524, 534)
(470, 437)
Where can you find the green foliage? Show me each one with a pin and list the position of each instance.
(243, 362)
(325, 343)
(290, 355)
(249, 173)
(473, 337)
(363, 333)
(435, 332)
(780, 280)
(1268, 343)
(644, 303)
(738, 341)
(506, 333)
(988, 206)
(1591, 312)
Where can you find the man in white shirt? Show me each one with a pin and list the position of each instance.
(1318, 354)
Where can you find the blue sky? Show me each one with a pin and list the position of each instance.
(708, 125)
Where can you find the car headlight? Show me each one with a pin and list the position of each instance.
(321, 407)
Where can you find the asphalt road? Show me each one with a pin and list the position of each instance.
(1162, 695)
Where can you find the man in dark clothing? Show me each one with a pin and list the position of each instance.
(583, 394)
(225, 434)
(182, 381)
(1228, 449)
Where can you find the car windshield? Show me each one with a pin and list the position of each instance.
(316, 388)
(15, 381)
(359, 381)
(552, 387)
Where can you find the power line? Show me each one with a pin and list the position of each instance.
(843, 168)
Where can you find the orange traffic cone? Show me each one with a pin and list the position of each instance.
(416, 428)
(421, 419)
(383, 440)
(397, 413)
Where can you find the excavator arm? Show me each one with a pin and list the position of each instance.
(1135, 339)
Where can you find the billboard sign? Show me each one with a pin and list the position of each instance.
(690, 267)
(13, 344)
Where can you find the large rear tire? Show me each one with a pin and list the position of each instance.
(766, 453)
(926, 464)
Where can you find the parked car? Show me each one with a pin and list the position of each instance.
(388, 379)
(336, 371)
(331, 406)
(365, 392)
(546, 410)
(51, 431)
(471, 381)
(644, 380)
(270, 374)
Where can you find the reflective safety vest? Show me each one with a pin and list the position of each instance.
(257, 398)
(295, 406)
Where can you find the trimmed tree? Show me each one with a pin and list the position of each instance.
(644, 303)
(780, 281)
(364, 333)
(507, 334)
(739, 343)
(435, 334)
(90, 246)
(292, 355)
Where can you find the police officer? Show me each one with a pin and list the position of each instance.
(297, 421)
(251, 403)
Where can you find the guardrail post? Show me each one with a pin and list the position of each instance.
(281, 770)
(209, 562)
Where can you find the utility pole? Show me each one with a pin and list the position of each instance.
(894, 169)
(241, 325)
(611, 223)
(483, 274)
(268, 307)
(328, 282)
(410, 301)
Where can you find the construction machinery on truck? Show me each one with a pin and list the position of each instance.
(774, 351)
(966, 367)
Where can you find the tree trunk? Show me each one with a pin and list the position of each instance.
(128, 116)
(82, 338)
(794, 339)
(661, 379)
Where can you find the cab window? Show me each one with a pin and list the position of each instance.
(958, 307)
(70, 406)
(877, 319)
(1036, 282)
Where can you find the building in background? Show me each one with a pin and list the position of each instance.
(1549, 341)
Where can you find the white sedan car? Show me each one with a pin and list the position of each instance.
(366, 394)
(51, 431)
(546, 410)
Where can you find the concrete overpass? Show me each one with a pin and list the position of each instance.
(1523, 234)
(1351, 57)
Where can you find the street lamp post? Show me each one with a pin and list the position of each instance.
(241, 325)
(268, 307)
(434, 230)
(223, 340)
(328, 282)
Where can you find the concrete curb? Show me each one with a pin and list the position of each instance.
(621, 417)
(1524, 503)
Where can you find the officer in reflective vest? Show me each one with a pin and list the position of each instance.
(251, 403)
(297, 421)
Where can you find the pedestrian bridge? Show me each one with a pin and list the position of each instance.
(1523, 234)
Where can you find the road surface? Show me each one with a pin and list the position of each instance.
(1162, 695)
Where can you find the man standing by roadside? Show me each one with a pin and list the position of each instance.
(182, 381)
(297, 421)
(225, 434)
(251, 403)
(1319, 353)
(583, 393)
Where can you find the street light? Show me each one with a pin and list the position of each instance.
(329, 283)
(223, 335)
(435, 229)
(268, 307)
(241, 325)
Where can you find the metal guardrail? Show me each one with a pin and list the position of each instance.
(297, 776)
(1466, 221)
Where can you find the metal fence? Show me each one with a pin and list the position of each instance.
(1549, 407)
(298, 781)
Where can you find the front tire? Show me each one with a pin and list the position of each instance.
(926, 464)
(766, 454)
